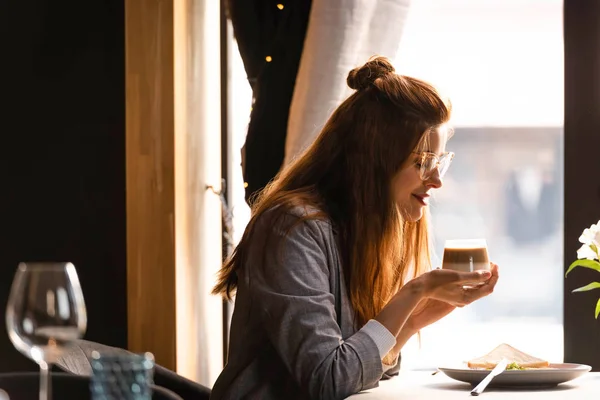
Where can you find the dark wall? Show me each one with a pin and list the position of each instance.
(582, 173)
(63, 154)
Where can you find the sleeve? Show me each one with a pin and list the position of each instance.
(383, 338)
(291, 288)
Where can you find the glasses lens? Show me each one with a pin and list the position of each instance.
(445, 162)
(428, 166)
(431, 163)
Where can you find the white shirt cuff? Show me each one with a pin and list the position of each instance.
(383, 338)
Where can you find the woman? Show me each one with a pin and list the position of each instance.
(332, 275)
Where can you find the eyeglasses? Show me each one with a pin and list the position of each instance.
(429, 162)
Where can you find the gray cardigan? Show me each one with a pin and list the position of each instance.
(293, 334)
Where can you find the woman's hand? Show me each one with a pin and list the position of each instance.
(448, 285)
(430, 297)
(443, 286)
(447, 293)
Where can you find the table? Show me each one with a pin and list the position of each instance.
(414, 385)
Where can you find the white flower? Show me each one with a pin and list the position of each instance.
(591, 236)
(586, 251)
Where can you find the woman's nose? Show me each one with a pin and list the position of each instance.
(435, 180)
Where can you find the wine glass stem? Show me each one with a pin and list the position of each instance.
(45, 383)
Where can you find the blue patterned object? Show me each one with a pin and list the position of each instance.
(122, 377)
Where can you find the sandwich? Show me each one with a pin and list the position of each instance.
(516, 359)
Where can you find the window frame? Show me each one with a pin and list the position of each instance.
(581, 22)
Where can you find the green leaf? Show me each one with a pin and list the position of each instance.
(597, 308)
(592, 264)
(593, 285)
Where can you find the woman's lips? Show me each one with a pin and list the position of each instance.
(422, 198)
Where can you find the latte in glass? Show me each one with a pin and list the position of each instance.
(466, 255)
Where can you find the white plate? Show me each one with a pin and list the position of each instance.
(545, 377)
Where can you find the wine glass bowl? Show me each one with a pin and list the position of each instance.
(45, 312)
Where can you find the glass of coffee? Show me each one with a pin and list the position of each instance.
(466, 255)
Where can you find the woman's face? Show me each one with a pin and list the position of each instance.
(409, 190)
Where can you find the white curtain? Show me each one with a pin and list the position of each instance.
(341, 35)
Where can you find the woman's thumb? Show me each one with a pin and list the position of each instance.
(483, 274)
(476, 276)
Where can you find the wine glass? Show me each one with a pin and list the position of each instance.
(45, 313)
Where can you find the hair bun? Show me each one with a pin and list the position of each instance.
(362, 77)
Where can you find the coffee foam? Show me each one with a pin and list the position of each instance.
(466, 244)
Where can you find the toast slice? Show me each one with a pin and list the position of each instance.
(513, 356)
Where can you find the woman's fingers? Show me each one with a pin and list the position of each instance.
(439, 277)
(474, 277)
(486, 289)
(495, 275)
(462, 288)
(488, 286)
(483, 283)
(494, 270)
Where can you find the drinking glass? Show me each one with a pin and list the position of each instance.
(45, 313)
(122, 376)
(466, 255)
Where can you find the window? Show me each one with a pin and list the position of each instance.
(501, 62)
(240, 103)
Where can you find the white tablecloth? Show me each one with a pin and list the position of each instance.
(422, 385)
